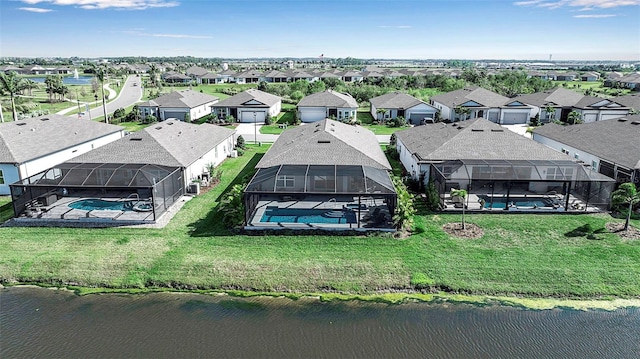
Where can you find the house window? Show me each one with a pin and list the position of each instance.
(284, 181)
(576, 156)
(594, 165)
(323, 182)
(1, 177)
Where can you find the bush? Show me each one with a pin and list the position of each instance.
(231, 208)
(240, 144)
(433, 197)
(404, 212)
(399, 121)
(268, 120)
(421, 281)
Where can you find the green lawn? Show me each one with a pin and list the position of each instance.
(368, 122)
(288, 118)
(530, 255)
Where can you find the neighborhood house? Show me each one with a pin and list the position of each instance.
(183, 105)
(327, 104)
(252, 105)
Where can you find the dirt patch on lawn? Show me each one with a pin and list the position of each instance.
(471, 230)
(631, 233)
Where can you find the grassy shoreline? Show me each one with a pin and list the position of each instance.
(520, 256)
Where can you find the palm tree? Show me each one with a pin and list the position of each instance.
(28, 84)
(380, 112)
(462, 112)
(574, 118)
(462, 194)
(100, 74)
(550, 111)
(626, 194)
(10, 83)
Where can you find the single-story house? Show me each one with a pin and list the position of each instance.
(326, 175)
(134, 179)
(30, 146)
(196, 73)
(179, 104)
(563, 101)
(397, 103)
(481, 103)
(608, 147)
(498, 168)
(327, 104)
(590, 76)
(251, 105)
(250, 76)
(175, 77)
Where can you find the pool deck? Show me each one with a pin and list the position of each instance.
(363, 218)
(473, 204)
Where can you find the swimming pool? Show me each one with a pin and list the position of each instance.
(303, 215)
(518, 202)
(90, 204)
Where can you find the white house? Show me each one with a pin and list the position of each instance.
(481, 103)
(327, 104)
(31, 146)
(251, 105)
(396, 104)
(178, 104)
(191, 147)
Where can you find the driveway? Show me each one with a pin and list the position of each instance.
(251, 133)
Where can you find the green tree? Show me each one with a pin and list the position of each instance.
(550, 112)
(462, 112)
(462, 194)
(231, 207)
(10, 84)
(626, 194)
(574, 118)
(404, 211)
(380, 113)
(28, 84)
(317, 86)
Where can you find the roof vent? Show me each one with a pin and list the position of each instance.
(159, 128)
(20, 124)
(460, 127)
(169, 123)
(44, 119)
(324, 141)
(135, 139)
(622, 120)
(635, 123)
(477, 130)
(497, 130)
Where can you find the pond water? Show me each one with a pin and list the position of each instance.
(68, 80)
(45, 323)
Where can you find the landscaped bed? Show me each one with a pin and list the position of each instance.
(519, 254)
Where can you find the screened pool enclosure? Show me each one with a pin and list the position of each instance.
(562, 185)
(105, 191)
(346, 188)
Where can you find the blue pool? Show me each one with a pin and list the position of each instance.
(101, 204)
(302, 215)
(518, 202)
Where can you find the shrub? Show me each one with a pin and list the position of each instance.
(404, 212)
(231, 208)
(268, 120)
(240, 144)
(433, 197)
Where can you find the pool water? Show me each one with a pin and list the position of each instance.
(519, 202)
(302, 215)
(101, 204)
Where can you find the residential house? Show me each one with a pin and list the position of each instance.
(481, 103)
(275, 76)
(608, 147)
(33, 145)
(632, 101)
(563, 101)
(498, 168)
(251, 105)
(178, 105)
(397, 103)
(327, 104)
(196, 73)
(590, 77)
(325, 175)
(249, 77)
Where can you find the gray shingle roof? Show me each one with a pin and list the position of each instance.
(631, 100)
(395, 100)
(477, 94)
(473, 139)
(328, 98)
(558, 97)
(168, 143)
(614, 140)
(26, 140)
(326, 142)
(181, 99)
(252, 94)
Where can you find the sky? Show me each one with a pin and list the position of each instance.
(391, 29)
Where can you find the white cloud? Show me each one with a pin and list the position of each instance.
(138, 32)
(106, 4)
(34, 9)
(594, 16)
(584, 4)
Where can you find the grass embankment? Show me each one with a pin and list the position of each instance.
(528, 255)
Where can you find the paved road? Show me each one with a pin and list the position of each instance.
(130, 94)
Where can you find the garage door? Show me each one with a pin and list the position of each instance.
(178, 115)
(312, 115)
(590, 117)
(247, 116)
(514, 118)
(418, 118)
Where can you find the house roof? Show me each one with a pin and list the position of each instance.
(180, 99)
(477, 94)
(395, 100)
(328, 98)
(196, 71)
(472, 139)
(614, 140)
(29, 139)
(169, 143)
(245, 96)
(326, 142)
(558, 97)
(631, 100)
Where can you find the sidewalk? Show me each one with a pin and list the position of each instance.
(112, 96)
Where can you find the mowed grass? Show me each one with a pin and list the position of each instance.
(531, 255)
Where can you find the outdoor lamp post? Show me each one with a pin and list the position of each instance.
(255, 129)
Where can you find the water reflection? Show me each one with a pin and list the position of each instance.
(51, 323)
